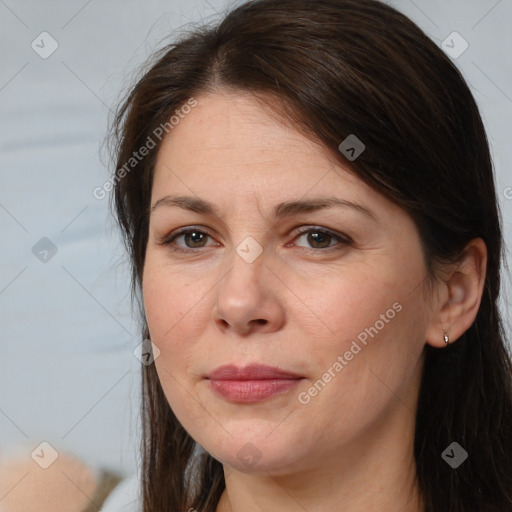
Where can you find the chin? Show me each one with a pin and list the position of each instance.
(249, 455)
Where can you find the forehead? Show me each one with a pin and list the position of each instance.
(233, 148)
(239, 129)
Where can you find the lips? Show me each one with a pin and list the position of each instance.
(251, 383)
(250, 372)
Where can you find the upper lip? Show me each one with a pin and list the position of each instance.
(250, 372)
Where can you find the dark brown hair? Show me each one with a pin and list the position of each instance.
(343, 67)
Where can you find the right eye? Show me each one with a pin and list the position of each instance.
(191, 238)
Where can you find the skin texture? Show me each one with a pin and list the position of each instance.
(298, 306)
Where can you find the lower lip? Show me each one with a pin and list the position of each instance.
(251, 390)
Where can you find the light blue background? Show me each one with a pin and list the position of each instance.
(67, 373)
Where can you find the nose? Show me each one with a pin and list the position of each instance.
(248, 299)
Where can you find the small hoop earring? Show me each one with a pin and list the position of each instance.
(446, 339)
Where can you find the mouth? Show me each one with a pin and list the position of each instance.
(251, 383)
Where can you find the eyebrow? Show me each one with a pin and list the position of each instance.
(285, 209)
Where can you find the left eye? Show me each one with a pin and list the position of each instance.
(320, 239)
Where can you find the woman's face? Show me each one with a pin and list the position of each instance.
(288, 261)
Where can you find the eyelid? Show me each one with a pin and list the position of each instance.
(170, 237)
(342, 238)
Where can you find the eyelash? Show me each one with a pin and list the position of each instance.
(343, 240)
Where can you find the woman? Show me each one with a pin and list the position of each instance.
(308, 201)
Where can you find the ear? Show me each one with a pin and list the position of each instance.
(459, 294)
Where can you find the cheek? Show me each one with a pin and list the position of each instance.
(373, 318)
(370, 297)
(340, 306)
(175, 308)
(174, 303)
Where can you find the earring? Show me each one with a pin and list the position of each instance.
(446, 339)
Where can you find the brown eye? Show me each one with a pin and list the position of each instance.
(195, 239)
(186, 240)
(322, 239)
(319, 240)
